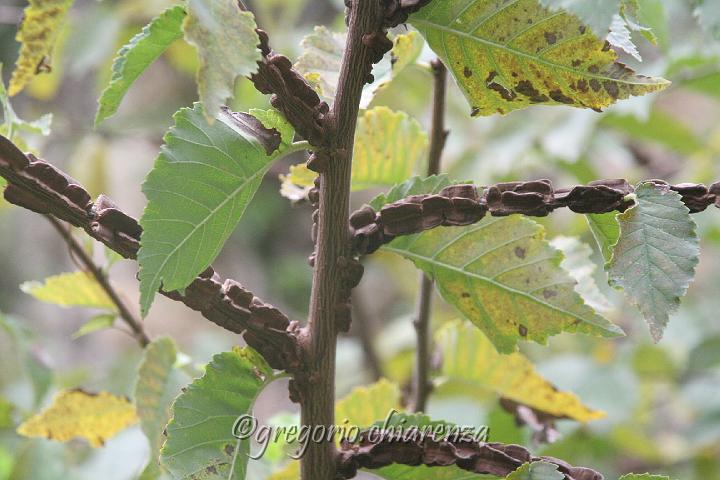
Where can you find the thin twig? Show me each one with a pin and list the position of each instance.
(438, 135)
(128, 317)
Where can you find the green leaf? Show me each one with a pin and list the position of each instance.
(412, 186)
(13, 125)
(471, 361)
(606, 230)
(503, 276)
(158, 382)
(536, 471)
(133, 58)
(227, 45)
(389, 148)
(203, 179)
(200, 439)
(98, 322)
(579, 265)
(655, 258)
(42, 21)
(322, 56)
(509, 55)
(76, 289)
(6, 410)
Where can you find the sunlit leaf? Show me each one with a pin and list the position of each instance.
(655, 258)
(76, 289)
(621, 37)
(536, 471)
(158, 382)
(512, 54)
(471, 360)
(606, 230)
(227, 45)
(95, 417)
(389, 148)
(42, 20)
(200, 434)
(580, 266)
(133, 58)
(322, 56)
(203, 179)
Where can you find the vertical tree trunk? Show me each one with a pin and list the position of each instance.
(332, 246)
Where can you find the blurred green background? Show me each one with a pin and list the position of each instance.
(663, 401)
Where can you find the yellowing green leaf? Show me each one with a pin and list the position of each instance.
(389, 148)
(655, 257)
(227, 45)
(503, 275)
(41, 23)
(366, 405)
(508, 55)
(76, 289)
(200, 433)
(470, 359)
(133, 58)
(322, 56)
(95, 417)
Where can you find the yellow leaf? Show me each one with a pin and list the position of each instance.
(367, 405)
(389, 148)
(508, 55)
(77, 289)
(37, 34)
(95, 417)
(469, 358)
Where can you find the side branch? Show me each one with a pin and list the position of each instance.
(124, 312)
(38, 186)
(458, 205)
(375, 450)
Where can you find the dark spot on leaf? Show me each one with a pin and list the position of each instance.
(593, 69)
(595, 85)
(547, 293)
(606, 46)
(582, 29)
(211, 470)
(465, 295)
(582, 85)
(522, 329)
(576, 63)
(550, 37)
(526, 88)
(475, 112)
(520, 252)
(611, 88)
(560, 97)
(467, 72)
(229, 450)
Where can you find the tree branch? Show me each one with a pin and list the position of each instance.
(459, 205)
(38, 186)
(375, 450)
(125, 314)
(438, 136)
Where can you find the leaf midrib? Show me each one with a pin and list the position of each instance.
(520, 53)
(431, 260)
